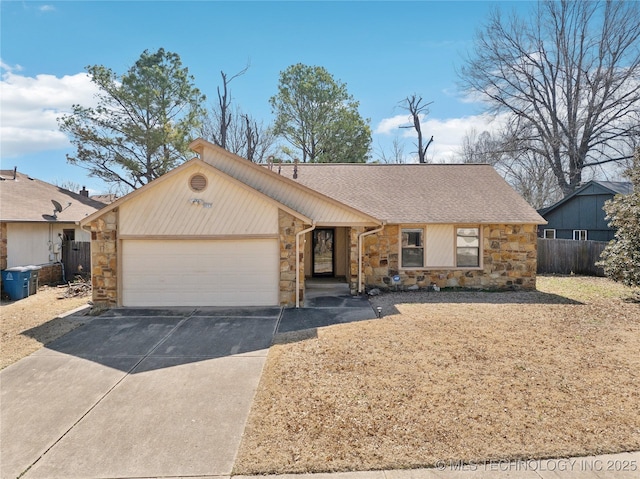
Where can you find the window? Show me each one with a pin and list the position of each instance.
(412, 248)
(549, 234)
(467, 247)
(580, 235)
(440, 247)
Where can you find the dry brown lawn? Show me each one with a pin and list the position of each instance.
(456, 376)
(28, 324)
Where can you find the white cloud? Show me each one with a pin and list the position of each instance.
(447, 133)
(47, 8)
(29, 107)
(389, 125)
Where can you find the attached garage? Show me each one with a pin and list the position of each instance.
(221, 232)
(200, 272)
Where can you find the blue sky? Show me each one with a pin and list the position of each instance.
(383, 51)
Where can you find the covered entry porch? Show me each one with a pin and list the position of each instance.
(332, 258)
(327, 254)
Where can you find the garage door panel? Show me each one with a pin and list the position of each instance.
(200, 273)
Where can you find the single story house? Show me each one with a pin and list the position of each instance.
(31, 230)
(580, 215)
(220, 230)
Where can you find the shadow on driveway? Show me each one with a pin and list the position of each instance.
(177, 336)
(324, 311)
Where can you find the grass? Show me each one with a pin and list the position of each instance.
(463, 376)
(28, 324)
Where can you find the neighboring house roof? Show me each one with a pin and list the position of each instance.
(419, 193)
(26, 199)
(593, 187)
(617, 187)
(106, 199)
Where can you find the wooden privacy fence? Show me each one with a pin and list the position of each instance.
(562, 256)
(76, 254)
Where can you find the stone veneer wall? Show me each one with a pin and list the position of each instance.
(288, 227)
(509, 261)
(352, 277)
(104, 260)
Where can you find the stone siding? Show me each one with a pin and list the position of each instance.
(288, 227)
(104, 260)
(509, 261)
(352, 277)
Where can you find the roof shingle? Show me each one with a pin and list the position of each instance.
(28, 199)
(419, 193)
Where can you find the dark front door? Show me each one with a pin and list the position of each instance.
(323, 257)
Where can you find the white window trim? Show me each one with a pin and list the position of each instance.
(578, 238)
(544, 233)
(425, 245)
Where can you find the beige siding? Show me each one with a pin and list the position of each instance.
(322, 210)
(439, 243)
(33, 243)
(167, 209)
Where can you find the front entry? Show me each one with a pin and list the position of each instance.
(323, 252)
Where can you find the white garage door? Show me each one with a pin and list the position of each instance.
(200, 273)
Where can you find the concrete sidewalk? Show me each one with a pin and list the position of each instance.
(135, 393)
(613, 466)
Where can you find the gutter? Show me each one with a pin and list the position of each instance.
(360, 243)
(298, 235)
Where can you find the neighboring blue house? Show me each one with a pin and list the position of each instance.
(580, 215)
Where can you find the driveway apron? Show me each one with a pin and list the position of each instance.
(136, 393)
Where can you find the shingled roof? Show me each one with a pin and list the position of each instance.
(28, 199)
(419, 193)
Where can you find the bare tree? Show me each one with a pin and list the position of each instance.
(228, 127)
(396, 155)
(417, 109)
(569, 75)
(479, 148)
(68, 185)
(525, 170)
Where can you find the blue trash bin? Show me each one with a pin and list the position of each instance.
(15, 282)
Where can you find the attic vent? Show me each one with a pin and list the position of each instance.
(198, 182)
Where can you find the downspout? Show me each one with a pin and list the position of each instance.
(313, 226)
(360, 236)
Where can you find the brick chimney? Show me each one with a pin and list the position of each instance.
(84, 192)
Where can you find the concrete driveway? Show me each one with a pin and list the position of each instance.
(136, 393)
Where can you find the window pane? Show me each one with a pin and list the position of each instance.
(411, 237)
(580, 235)
(467, 257)
(468, 241)
(412, 257)
(467, 231)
